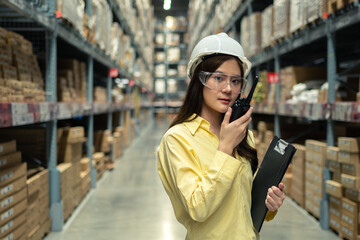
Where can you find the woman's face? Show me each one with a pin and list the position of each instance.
(218, 101)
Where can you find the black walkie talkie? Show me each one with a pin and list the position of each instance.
(242, 105)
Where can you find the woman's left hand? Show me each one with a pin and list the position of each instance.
(275, 197)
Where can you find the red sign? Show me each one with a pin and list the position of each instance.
(131, 82)
(113, 72)
(273, 77)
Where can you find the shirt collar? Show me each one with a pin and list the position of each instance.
(196, 123)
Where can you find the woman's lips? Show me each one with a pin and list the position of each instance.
(224, 100)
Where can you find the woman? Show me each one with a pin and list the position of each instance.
(206, 163)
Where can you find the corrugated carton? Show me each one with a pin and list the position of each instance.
(7, 147)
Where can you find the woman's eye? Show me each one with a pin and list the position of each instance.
(236, 81)
(218, 78)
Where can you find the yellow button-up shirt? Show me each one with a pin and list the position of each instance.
(210, 191)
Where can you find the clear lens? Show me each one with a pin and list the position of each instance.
(219, 81)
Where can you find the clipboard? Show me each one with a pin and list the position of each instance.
(272, 169)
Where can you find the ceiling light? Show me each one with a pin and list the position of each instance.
(167, 4)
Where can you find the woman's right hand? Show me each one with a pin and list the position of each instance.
(231, 134)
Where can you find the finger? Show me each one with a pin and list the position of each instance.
(276, 192)
(227, 115)
(245, 119)
(247, 116)
(270, 205)
(281, 186)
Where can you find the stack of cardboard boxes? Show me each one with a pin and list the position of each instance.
(314, 170)
(118, 142)
(263, 137)
(349, 159)
(70, 142)
(13, 192)
(72, 81)
(99, 163)
(103, 141)
(298, 175)
(100, 95)
(85, 181)
(38, 219)
(66, 186)
(20, 75)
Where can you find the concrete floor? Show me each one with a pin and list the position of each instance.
(130, 203)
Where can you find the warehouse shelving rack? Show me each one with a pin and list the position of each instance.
(176, 103)
(42, 17)
(324, 31)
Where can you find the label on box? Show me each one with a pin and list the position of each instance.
(3, 162)
(6, 189)
(11, 236)
(347, 219)
(6, 176)
(7, 226)
(7, 201)
(335, 212)
(7, 214)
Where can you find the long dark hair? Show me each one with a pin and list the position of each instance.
(194, 101)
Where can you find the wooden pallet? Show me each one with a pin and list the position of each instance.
(337, 5)
(278, 40)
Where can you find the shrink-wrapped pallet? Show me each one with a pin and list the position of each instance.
(245, 35)
(255, 33)
(314, 10)
(267, 26)
(281, 18)
(297, 15)
(72, 11)
(116, 33)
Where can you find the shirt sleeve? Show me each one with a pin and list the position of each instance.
(200, 192)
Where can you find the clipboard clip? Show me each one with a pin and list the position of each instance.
(281, 146)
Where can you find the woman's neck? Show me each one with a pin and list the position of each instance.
(214, 118)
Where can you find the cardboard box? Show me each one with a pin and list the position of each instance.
(351, 169)
(11, 200)
(349, 181)
(347, 232)
(70, 152)
(10, 160)
(349, 144)
(17, 233)
(73, 133)
(85, 164)
(334, 167)
(13, 187)
(7, 147)
(14, 211)
(336, 177)
(10, 226)
(353, 195)
(10, 174)
(334, 188)
(332, 153)
(348, 157)
(335, 223)
(33, 184)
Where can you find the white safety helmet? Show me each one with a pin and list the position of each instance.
(220, 43)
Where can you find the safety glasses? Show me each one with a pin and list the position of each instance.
(219, 81)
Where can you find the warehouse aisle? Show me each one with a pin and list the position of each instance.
(130, 203)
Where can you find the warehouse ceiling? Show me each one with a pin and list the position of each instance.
(178, 8)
